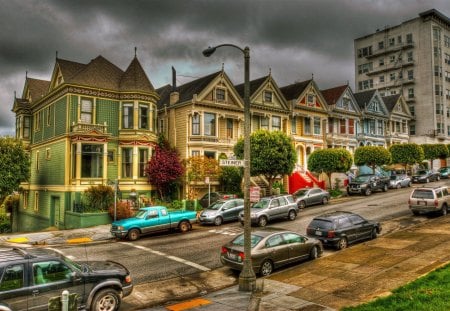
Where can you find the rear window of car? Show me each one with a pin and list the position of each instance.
(321, 224)
(423, 194)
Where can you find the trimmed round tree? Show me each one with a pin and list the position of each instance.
(372, 156)
(434, 151)
(272, 154)
(406, 154)
(333, 160)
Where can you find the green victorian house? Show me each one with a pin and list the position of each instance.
(91, 124)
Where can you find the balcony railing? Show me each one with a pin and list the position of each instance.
(87, 128)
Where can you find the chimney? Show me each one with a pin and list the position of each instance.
(174, 95)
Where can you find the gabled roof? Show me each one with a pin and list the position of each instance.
(37, 88)
(164, 95)
(254, 85)
(21, 105)
(135, 79)
(293, 91)
(332, 95)
(363, 98)
(68, 68)
(390, 101)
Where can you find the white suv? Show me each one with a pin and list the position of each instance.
(429, 199)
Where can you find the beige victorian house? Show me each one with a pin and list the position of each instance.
(397, 131)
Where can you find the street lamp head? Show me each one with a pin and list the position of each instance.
(209, 51)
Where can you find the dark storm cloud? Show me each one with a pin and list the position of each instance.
(293, 39)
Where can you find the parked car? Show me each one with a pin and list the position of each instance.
(429, 199)
(339, 229)
(151, 219)
(367, 183)
(425, 176)
(210, 198)
(30, 277)
(270, 208)
(270, 250)
(444, 172)
(309, 196)
(400, 181)
(222, 210)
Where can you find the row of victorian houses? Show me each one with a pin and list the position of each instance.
(94, 124)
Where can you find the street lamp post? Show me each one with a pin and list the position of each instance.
(247, 278)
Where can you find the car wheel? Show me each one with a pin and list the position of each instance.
(374, 233)
(107, 299)
(133, 234)
(301, 204)
(325, 201)
(262, 221)
(342, 243)
(385, 188)
(266, 268)
(292, 215)
(184, 226)
(314, 253)
(218, 221)
(444, 210)
(416, 213)
(368, 192)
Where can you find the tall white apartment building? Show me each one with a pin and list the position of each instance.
(412, 59)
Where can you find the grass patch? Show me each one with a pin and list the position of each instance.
(430, 293)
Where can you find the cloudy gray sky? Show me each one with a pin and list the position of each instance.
(292, 38)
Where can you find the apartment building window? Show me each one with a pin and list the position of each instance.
(294, 125)
(229, 128)
(195, 153)
(26, 127)
(91, 161)
(381, 45)
(440, 128)
(268, 96)
(392, 58)
(317, 130)
(439, 109)
(86, 110)
(393, 92)
(365, 84)
(410, 75)
(400, 74)
(220, 95)
(209, 124)
(410, 93)
(381, 78)
(399, 39)
(364, 68)
(264, 123)
(391, 41)
(366, 51)
(409, 38)
(446, 41)
(276, 123)
(447, 93)
(342, 129)
(447, 58)
(143, 160)
(437, 71)
(127, 116)
(436, 51)
(392, 76)
(143, 117)
(210, 154)
(351, 126)
(447, 76)
(412, 110)
(409, 56)
(412, 129)
(127, 162)
(436, 34)
(381, 62)
(307, 127)
(196, 124)
(438, 90)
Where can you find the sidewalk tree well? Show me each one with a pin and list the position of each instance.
(406, 154)
(434, 151)
(328, 161)
(372, 156)
(272, 154)
(14, 165)
(164, 168)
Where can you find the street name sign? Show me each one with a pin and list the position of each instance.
(231, 163)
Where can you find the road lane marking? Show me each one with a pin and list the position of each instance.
(174, 258)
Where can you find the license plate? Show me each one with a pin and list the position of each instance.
(232, 256)
(319, 233)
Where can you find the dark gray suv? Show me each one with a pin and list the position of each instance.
(31, 279)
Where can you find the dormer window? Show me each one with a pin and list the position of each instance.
(268, 96)
(220, 95)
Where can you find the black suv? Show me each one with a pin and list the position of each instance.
(342, 228)
(32, 278)
(367, 183)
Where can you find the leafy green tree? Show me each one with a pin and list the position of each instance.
(406, 154)
(372, 156)
(272, 154)
(230, 178)
(14, 165)
(434, 151)
(334, 160)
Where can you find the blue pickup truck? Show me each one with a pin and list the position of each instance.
(152, 219)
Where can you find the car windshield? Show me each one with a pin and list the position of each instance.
(216, 206)
(239, 240)
(421, 172)
(261, 204)
(140, 214)
(362, 178)
(300, 192)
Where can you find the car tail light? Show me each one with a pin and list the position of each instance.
(128, 279)
(331, 234)
(224, 250)
(241, 255)
(436, 203)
